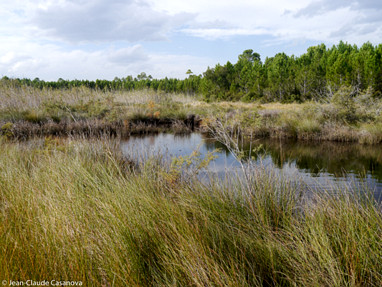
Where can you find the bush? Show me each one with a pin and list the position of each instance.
(6, 130)
(343, 100)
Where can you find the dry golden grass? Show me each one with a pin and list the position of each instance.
(358, 121)
(73, 210)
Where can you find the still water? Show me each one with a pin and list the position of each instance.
(322, 165)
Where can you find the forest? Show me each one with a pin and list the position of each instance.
(315, 75)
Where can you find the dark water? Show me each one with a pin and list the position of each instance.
(323, 165)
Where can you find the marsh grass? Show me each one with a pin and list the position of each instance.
(308, 121)
(344, 118)
(33, 112)
(74, 210)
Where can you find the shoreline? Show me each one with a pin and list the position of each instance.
(23, 130)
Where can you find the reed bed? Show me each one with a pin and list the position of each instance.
(343, 118)
(78, 210)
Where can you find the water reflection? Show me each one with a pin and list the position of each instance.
(337, 159)
(320, 164)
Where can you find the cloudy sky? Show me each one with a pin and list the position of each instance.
(103, 39)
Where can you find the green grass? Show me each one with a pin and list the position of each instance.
(76, 210)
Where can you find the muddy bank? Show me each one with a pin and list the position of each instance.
(95, 127)
(22, 129)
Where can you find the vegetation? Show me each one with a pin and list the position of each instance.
(338, 91)
(27, 111)
(77, 210)
(316, 75)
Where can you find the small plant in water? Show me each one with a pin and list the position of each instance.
(184, 168)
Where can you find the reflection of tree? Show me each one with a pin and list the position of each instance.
(313, 157)
(182, 136)
(316, 157)
(331, 157)
(212, 144)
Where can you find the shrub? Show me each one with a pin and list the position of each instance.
(343, 100)
(6, 130)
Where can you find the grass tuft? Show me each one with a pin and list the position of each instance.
(76, 210)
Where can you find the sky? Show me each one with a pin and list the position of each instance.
(104, 39)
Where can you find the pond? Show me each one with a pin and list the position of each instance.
(321, 165)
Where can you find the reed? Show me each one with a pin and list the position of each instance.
(52, 112)
(77, 210)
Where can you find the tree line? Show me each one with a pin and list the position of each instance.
(315, 75)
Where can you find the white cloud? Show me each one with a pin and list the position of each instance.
(107, 38)
(31, 33)
(50, 62)
(128, 55)
(322, 20)
(216, 33)
(104, 20)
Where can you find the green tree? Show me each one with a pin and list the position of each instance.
(280, 82)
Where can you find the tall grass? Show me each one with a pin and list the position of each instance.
(23, 103)
(345, 118)
(74, 210)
